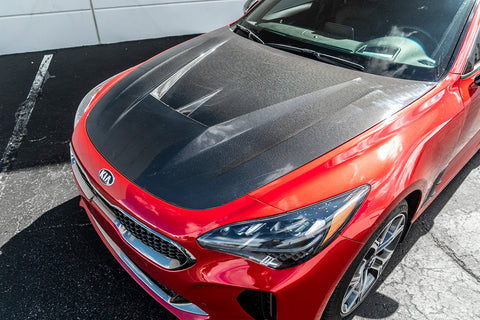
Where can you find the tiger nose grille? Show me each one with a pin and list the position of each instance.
(152, 245)
(151, 240)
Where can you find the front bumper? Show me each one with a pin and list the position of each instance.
(143, 279)
(211, 286)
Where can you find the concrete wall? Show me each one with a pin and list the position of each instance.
(34, 25)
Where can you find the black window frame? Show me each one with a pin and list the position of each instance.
(474, 54)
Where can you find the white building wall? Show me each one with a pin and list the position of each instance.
(34, 25)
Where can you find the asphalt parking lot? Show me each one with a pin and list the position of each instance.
(54, 266)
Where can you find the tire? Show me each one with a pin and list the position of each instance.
(367, 267)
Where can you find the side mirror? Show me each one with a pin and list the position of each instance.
(477, 80)
(248, 5)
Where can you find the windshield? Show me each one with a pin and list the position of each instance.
(411, 39)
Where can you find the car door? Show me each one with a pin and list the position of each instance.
(470, 92)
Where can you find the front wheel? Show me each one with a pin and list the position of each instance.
(369, 264)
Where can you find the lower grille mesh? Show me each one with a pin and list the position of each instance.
(258, 304)
(156, 243)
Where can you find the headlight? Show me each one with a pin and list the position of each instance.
(82, 107)
(288, 239)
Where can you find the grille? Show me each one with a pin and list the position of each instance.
(164, 247)
(153, 241)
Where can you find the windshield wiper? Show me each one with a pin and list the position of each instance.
(319, 56)
(250, 33)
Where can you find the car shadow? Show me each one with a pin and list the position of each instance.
(377, 305)
(58, 268)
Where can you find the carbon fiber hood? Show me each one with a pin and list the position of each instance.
(220, 116)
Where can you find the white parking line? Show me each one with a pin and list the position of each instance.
(23, 114)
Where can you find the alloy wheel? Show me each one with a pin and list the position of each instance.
(373, 264)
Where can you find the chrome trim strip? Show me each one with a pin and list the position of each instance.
(187, 307)
(92, 194)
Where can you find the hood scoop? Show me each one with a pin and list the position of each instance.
(160, 91)
(190, 108)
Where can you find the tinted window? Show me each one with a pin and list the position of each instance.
(474, 57)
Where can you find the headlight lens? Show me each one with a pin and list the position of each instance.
(82, 107)
(288, 239)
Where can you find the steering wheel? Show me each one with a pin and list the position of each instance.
(420, 35)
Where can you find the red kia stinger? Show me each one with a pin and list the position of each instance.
(268, 169)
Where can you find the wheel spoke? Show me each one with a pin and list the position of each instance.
(353, 294)
(390, 236)
(399, 230)
(381, 239)
(372, 264)
(355, 280)
(364, 280)
(359, 276)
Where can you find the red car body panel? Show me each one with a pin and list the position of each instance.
(401, 156)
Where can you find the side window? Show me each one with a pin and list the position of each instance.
(474, 57)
